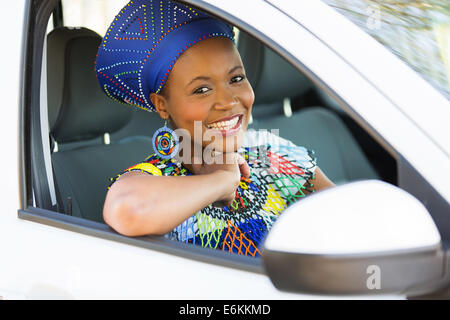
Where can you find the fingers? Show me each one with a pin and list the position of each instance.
(225, 202)
(227, 159)
(234, 157)
(243, 166)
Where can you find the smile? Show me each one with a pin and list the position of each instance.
(229, 126)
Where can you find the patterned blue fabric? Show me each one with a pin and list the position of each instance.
(143, 43)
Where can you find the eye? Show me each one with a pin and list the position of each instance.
(237, 78)
(201, 90)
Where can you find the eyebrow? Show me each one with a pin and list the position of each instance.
(208, 78)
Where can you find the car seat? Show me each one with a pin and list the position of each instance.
(79, 116)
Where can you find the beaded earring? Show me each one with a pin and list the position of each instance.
(165, 142)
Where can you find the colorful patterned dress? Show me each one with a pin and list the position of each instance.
(281, 172)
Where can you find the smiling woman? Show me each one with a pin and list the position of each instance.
(214, 90)
(227, 185)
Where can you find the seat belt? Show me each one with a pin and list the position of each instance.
(45, 132)
(59, 203)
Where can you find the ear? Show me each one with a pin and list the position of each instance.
(160, 104)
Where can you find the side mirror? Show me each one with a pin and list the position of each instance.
(364, 237)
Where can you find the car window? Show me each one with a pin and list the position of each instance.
(288, 104)
(278, 104)
(416, 31)
(94, 15)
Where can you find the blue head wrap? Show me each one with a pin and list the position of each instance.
(143, 43)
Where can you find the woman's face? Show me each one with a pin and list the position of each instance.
(208, 84)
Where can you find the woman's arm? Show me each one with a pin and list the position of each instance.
(141, 204)
(321, 181)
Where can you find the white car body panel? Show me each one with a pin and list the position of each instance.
(40, 261)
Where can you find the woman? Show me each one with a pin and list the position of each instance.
(222, 186)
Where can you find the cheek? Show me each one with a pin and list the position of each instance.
(194, 112)
(185, 113)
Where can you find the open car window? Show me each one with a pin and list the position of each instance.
(95, 15)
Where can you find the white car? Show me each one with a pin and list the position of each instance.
(381, 233)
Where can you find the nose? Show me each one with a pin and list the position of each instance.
(225, 99)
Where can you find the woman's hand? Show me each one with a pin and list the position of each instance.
(227, 168)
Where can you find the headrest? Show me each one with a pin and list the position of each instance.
(78, 109)
(271, 77)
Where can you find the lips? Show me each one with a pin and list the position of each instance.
(226, 122)
(228, 125)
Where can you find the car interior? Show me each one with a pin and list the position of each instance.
(93, 138)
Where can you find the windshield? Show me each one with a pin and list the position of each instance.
(416, 31)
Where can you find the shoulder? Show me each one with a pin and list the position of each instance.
(152, 165)
(148, 166)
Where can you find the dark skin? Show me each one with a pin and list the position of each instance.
(210, 84)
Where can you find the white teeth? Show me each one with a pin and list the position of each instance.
(225, 125)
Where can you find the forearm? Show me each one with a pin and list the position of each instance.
(321, 181)
(156, 205)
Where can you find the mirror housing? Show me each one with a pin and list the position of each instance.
(365, 237)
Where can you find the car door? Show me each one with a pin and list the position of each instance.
(51, 255)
